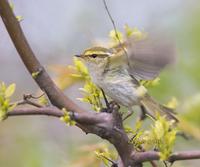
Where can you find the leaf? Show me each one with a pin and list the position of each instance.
(116, 36)
(35, 74)
(66, 76)
(2, 115)
(103, 155)
(43, 100)
(10, 90)
(11, 107)
(173, 103)
(164, 134)
(150, 83)
(19, 18)
(67, 119)
(128, 129)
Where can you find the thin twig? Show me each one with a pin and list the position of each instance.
(30, 96)
(48, 111)
(23, 102)
(115, 29)
(113, 162)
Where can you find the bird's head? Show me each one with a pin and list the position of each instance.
(96, 57)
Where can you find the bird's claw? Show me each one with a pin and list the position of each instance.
(112, 105)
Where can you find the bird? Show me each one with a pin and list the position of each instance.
(118, 71)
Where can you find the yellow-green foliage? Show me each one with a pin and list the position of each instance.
(104, 155)
(160, 136)
(163, 133)
(81, 70)
(115, 36)
(5, 94)
(129, 32)
(93, 155)
(91, 93)
(173, 103)
(35, 74)
(43, 100)
(150, 83)
(66, 118)
(19, 18)
(136, 134)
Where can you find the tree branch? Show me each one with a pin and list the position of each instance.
(55, 95)
(152, 155)
(26, 101)
(48, 111)
(108, 126)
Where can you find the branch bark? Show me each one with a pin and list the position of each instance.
(47, 111)
(152, 155)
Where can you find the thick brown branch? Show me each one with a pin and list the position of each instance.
(152, 155)
(48, 111)
(108, 126)
(55, 95)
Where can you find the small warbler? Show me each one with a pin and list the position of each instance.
(118, 70)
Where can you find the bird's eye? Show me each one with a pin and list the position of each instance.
(94, 55)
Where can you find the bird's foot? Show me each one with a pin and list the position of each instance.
(112, 105)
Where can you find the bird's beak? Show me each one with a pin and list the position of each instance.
(79, 56)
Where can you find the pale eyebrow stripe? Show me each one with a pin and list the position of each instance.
(97, 52)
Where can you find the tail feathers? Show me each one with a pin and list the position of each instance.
(152, 107)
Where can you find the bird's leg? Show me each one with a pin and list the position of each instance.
(113, 106)
(110, 106)
(105, 99)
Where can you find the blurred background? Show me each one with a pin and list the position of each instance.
(57, 30)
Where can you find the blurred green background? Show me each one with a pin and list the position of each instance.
(56, 30)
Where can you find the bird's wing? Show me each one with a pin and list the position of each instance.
(148, 56)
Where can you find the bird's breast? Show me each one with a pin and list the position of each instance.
(120, 87)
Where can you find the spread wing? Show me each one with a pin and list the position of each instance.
(147, 57)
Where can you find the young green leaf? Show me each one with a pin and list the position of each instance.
(10, 90)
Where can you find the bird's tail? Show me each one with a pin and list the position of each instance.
(152, 107)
